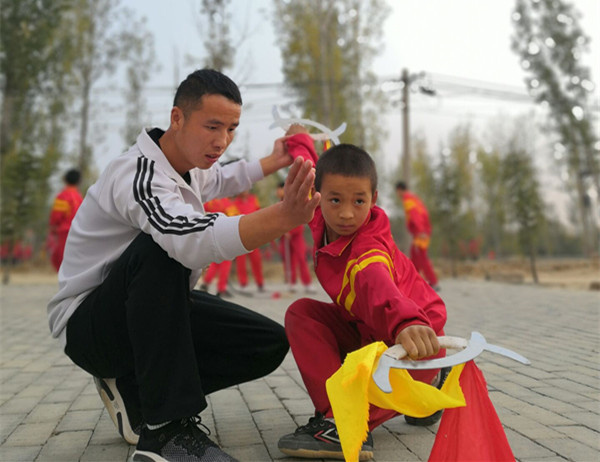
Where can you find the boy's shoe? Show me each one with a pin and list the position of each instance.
(319, 439)
(436, 416)
(310, 289)
(126, 417)
(224, 294)
(178, 441)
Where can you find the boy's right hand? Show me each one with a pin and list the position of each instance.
(418, 341)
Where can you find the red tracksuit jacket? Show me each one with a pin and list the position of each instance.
(417, 216)
(375, 284)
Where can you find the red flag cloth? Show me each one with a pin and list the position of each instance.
(474, 432)
(302, 145)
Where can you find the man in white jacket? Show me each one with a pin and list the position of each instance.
(125, 311)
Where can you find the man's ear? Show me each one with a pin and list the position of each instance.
(374, 200)
(177, 118)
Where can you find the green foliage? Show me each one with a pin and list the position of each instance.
(492, 187)
(489, 195)
(217, 40)
(453, 209)
(51, 52)
(422, 179)
(105, 35)
(524, 202)
(34, 62)
(140, 63)
(550, 43)
(327, 48)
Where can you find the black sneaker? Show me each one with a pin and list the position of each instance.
(178, 441)
(436, 416)
(126, 417)
(319, 439)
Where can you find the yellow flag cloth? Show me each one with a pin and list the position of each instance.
(351, 389)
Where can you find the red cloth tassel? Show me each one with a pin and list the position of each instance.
(302, 145)
(474, 432)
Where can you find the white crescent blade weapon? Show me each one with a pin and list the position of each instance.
(326, 133)
(391, 358)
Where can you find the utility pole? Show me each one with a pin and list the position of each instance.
(405, 79)
(423, 88)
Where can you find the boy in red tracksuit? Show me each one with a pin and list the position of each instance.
(419, 226)
(226, 206)
(63, 211)
(248, 203)
(376, 293)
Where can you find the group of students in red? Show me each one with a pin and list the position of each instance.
(292, 248)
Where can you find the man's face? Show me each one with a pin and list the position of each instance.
(345, 203)
(204, 135)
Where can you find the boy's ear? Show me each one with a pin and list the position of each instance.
(374, 200)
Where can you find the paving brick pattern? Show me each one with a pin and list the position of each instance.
(50, 410)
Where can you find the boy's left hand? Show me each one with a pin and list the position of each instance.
(419, 341)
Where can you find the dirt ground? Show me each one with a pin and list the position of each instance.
(568, 273)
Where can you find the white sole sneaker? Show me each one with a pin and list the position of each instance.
(107, 388)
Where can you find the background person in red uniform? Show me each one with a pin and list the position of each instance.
(376, 293)
(292, 247)
(63, 211)
(419, 226)
(226, 206)
(247, 203)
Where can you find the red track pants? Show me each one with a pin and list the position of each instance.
(222, 269)
(320, 336)
(255, 264)
(293, 254)
(423, 265)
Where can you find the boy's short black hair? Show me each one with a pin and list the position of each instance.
(72, 177)
(204, 82)
(346, 160)
(402, 186)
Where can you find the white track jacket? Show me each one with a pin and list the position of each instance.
(140, 191)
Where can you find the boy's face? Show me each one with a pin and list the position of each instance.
(345, 203)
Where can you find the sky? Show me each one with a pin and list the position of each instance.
(465, 42)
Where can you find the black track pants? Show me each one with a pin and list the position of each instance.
(144, 326)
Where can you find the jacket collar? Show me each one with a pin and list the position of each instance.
(153, 152)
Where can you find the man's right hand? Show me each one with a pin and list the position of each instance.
(296, 208)
(297, 203)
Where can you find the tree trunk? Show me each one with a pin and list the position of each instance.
(7, 266)
(5, 128)
(84, 153)
(584, 215)
(324, 84)
(532, 265)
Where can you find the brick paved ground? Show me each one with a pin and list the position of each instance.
(50, 411)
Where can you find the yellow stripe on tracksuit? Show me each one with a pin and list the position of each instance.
(356, 265)
(61, 205)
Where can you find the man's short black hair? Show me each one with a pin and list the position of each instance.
(72, 177)
(346, 160)
(205, 82)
